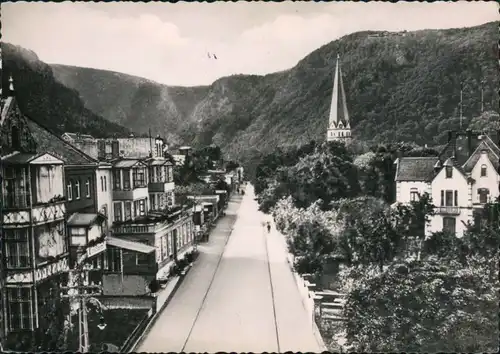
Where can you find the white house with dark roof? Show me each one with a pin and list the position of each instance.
(457, 186)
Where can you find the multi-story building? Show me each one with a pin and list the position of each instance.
(34, 243)
(144, 248)
(460, 181)
(50, 215)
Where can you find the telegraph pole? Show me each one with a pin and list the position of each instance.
(83, 293)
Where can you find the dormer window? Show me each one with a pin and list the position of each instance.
(449, 172)
(483, 171)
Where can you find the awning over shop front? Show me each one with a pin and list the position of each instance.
(129, 245)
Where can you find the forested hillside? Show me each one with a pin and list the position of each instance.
(400, 87)
(47, 101)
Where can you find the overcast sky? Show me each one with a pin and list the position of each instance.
(169, 43)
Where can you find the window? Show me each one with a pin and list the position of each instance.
(164, 247)
(117, 208)
(414, 196)
(77, 189)
(152, 202)
(128, 210)
(449, 172)
(114, 260)
(78, 236)
(16, 248)
(102, 184)
(19, 302)
(69, 190)
(17, 190)
(449, 225)
(483, 195)
(170, 174)
(142, 204)
(126, 179)
(105, 184)
(117, 180)
(448, 198)
(483, 171)
(87, 188)
(177, 240)
(456, 198)
(136, 208)
(170, 241)
(139, 177)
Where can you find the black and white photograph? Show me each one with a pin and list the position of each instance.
(234, 176)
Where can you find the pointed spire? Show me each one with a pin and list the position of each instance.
(338, 108)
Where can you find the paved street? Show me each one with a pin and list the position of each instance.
(228, 301)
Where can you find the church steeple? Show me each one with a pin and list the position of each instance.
(339, 125)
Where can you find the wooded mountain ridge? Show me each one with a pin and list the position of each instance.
(401, 86)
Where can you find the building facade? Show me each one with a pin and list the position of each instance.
(145, 248)
(35, 246)
(460, 181)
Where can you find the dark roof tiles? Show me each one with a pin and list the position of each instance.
(415, 169)
(46, 141)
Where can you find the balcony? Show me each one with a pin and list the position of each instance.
(448, 210)
(43, 272)
(160, 187)
(39, 214)
(151, 223)
(138, 192)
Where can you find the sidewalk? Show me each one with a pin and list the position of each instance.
(294, 310)
(174, 322)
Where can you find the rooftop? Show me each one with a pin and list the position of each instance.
(415, 168)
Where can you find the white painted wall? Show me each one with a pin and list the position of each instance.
(105, 195)
(459, 183)
(403, 189)
(490, 181)
(338, 134)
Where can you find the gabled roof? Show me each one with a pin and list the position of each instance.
(415, 169)
(18, 158)
(44, 140)
(491, 149)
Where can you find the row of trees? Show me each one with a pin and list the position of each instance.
(404, 291)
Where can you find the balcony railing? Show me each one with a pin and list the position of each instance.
(149, 223)
(448, 210)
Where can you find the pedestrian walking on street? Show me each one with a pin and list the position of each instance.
(268, 227)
